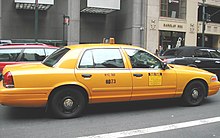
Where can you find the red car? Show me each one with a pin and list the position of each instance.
(21, 53)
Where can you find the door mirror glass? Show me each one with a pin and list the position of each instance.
(164, 65)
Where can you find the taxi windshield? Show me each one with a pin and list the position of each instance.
(55, 57)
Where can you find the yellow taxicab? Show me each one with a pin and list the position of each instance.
(73, 76)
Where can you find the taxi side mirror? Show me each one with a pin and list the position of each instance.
(164, 66)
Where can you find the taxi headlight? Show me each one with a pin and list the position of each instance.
(214, 78)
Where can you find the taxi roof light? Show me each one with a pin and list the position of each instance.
(109, 40)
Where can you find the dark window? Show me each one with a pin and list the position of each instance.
(142, 59)
(55, 57)
(102, 58)
(9, 54)
(172, 52)
(33, 55)
(164, 8)
(173, 8)
(202, 53)
(215, 53)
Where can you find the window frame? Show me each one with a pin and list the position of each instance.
(19, 55)
(203, 51)
(148, 68)
(180, 13)
(84, 51)
(23, 52)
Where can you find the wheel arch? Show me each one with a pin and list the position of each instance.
(192, 65)
(201, 80)
(74, 86)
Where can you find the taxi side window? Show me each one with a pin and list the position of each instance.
(102, 58)
(142, 59)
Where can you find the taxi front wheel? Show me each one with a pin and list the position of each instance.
(67, 103)
(194, 93)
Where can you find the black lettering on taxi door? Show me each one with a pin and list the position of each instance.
(110, 80)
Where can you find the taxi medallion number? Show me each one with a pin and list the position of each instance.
(110, 81)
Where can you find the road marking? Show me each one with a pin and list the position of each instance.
(142, 131)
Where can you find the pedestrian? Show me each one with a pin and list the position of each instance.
(161, 50)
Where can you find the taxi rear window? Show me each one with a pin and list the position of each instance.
(55, 57)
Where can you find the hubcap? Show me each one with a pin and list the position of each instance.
(68, 103)
(195, 94)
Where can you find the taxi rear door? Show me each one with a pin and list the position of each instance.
(104, 73)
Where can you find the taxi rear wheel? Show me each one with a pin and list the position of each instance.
(67, 103)
(194, 93)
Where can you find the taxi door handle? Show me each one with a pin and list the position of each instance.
(86, 75)
(138, 75)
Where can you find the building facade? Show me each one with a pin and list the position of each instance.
(145, 23)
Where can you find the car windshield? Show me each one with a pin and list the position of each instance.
(55, 57)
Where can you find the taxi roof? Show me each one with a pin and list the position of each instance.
(101, 45)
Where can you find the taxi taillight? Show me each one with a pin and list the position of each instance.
(8, 81)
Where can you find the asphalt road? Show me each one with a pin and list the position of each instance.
(115, 117)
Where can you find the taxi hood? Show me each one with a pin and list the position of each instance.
(187, 68)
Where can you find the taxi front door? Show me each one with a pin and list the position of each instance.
(150, 81)
(153, 84)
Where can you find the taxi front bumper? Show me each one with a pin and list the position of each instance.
(213, 88)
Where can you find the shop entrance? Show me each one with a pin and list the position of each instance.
(209, 39)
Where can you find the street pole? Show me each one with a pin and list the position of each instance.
(36, 21)
(203, 23)
(64, 28)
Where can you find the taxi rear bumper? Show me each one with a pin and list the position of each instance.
(23, 97)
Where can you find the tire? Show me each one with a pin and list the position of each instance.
(194, 93)
(67, 103)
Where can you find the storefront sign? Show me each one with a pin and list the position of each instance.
(51, 2)
(99, 6)
(172, 26)
(212, 2)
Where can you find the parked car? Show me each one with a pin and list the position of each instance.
(2, 42)
(73, 76)
(22, 53)
(200, 57)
